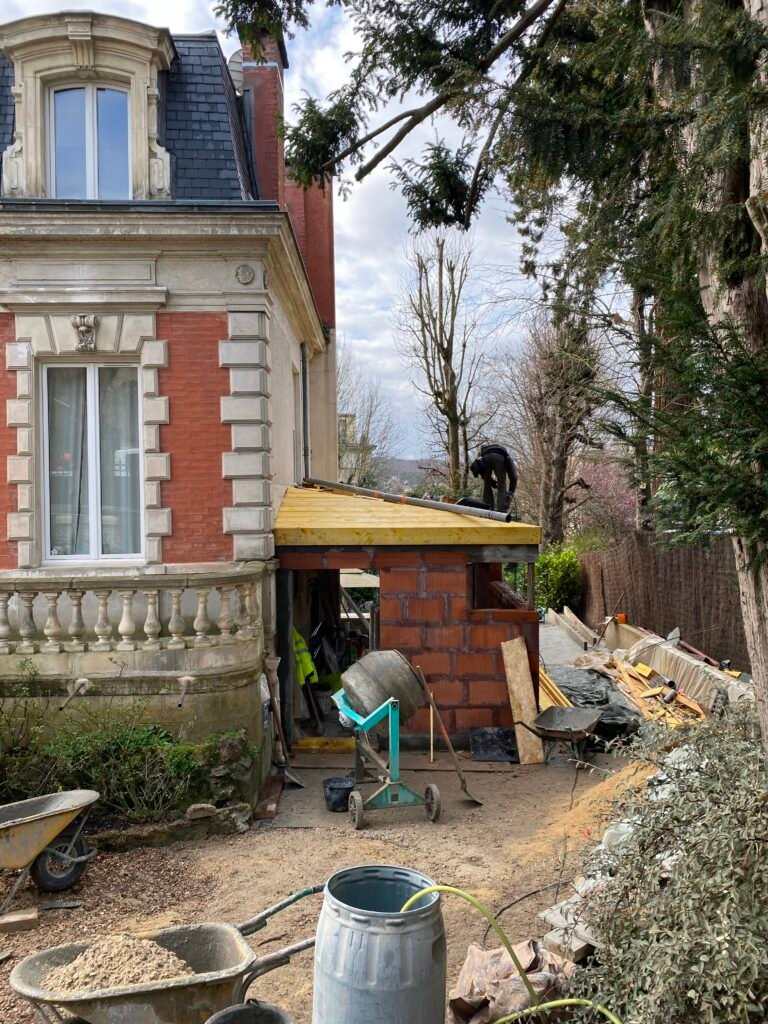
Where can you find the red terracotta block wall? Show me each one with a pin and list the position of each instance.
(195, 437)
(8, 554)
(426, 614)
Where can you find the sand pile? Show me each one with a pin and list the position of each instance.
(115, 962)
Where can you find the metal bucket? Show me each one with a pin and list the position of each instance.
(373, 963)
(379, 675)
(251, 1013)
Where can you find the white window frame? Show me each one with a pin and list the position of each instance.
(91, 136)
(94, 469)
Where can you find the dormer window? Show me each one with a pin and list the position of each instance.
(90, 143)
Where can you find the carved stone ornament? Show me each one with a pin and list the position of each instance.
(265, 279)
(85, 328)
(245, 274)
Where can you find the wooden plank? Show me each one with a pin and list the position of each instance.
(522, 699)
(581, 627)
(20, 921)
(556, 619)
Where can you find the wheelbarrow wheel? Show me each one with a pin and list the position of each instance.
(432, 802)
(356, 810)
(52, 873)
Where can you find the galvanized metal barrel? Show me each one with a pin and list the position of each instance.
(379, 675)
(373, 963)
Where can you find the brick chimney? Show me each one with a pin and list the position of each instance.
(311, 211)
(265, 81)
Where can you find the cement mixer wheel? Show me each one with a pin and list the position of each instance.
(356, 810)
(432, 802)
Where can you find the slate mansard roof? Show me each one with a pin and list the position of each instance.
(202, 123)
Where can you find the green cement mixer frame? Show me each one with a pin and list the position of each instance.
(393, 793)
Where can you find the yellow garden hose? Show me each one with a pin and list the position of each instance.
(537, 1007)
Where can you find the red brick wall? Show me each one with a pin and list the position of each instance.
(8, 554)
(426, 613)
(195, 437)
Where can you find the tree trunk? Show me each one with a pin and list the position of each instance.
(454, 456)
(753, 586)
(554, 525)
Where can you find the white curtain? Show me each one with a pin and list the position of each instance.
(120, 469)
(68, 460)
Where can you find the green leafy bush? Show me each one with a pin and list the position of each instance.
(141, 771)
(558, 579)
(681, 912)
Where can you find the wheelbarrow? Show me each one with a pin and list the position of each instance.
(570, 726)
(224, 967)
(40, 837)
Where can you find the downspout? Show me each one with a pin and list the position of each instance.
(305, 409)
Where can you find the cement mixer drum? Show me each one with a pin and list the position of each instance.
(379, 675)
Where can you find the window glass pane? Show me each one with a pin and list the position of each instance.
(112, 126)
(120, 461)
(69, 141)
(68, 460)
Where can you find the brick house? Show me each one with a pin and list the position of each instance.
(168, 337)
(167, 316)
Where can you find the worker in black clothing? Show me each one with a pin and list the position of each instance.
(494, 464)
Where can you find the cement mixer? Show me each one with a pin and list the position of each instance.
(381, 692)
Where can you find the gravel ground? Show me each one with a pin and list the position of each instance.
(530, 832)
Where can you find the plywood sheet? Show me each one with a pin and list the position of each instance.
(311, 517)
(522, 699)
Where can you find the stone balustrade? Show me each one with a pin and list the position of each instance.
(53, 615)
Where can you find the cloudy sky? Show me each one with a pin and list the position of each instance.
(371, 226)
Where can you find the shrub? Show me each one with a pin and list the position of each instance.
(558, 579)
(141, 771)
(681, 914)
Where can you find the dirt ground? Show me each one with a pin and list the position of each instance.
(530, 832)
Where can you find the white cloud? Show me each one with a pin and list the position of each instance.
(372, 225)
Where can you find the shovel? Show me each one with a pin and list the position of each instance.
(271, 667)
(446, 738)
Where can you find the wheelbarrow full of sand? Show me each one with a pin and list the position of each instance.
(223, 967)
(569, 726)
(42, 836)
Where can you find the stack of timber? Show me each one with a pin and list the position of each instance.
(550, 694)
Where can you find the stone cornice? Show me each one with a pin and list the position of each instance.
(31, 229)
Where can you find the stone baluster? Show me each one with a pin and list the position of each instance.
(27, 628)
(202, 623)
(103, 627)
(152, 621)
(176, 624)
(76, 629)
(52, 627)
(5, 624)
(225, 621)
(254, 609)
(127, 625)
(241, 617)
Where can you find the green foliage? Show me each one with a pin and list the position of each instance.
(141, 771)
(558, 579)
(681, 912)
(587, 540)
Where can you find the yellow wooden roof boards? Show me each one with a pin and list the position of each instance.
(310, 517)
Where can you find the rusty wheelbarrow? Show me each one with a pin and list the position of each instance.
(41, 837)
(224, 967)
(571, 726)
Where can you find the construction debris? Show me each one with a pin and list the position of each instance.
(550, 694)
(657, 697)
(489, 986)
